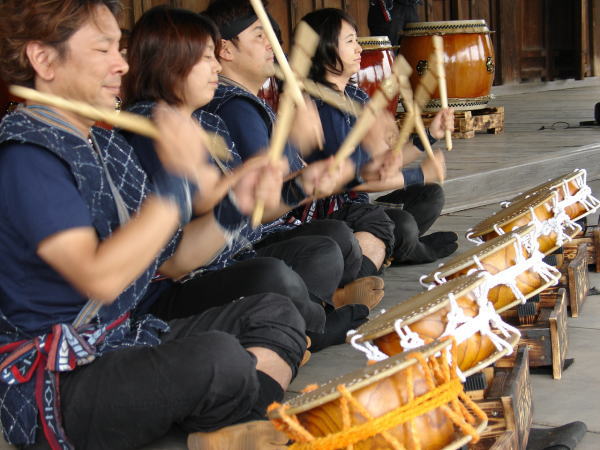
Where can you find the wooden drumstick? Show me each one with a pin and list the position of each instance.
(327, 94)
(380, 99)
(306, 44)
(122, 119)
(294, 87)
(438, 45)
(420, 128)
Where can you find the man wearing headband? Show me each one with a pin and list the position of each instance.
(247, 60)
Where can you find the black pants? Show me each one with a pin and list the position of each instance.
(257, 276)
(200, 378)
(337, 231)
(418, 207)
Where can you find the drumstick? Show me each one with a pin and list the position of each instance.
(380, 99)
(413, 117)
(290, 78)
(327, 94)
(438, 45)
(306, 44)
(122, 119)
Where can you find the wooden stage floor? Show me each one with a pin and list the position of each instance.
(491, 167)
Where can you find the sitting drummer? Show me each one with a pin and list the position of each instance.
(185, 42)
(81, 221)
(419, 201)
(247, 60)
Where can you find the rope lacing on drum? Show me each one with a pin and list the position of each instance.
(556, 224)
(474, 240)
(445, 392)
(370, 350)
(508, 277)
(463, 327)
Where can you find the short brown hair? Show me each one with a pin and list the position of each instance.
(51, 22)
(164, 46)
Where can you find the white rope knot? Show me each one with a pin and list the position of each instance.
(371, 351)
(474, 240)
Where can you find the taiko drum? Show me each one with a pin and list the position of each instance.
(377, 58)
(468, 60)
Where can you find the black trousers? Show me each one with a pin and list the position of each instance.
(257, 276)
(418, 207)
(200, 377)
(336, 230)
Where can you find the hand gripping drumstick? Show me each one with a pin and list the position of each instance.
(380, 99)
(293, 86)
(438, 45)
(327, 94)
(122, 119)
(413, 117)
(306, 43)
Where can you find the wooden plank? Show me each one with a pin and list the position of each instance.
(578, 280)
(558, 334)
(595, 36)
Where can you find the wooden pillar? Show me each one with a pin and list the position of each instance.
(509, 33)
(595, 36)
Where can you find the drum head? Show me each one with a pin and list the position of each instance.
(446, 27)
(417, 307)
(465, 259)
(549, 185)
(357, 380)
(374, 42)
(512, 212)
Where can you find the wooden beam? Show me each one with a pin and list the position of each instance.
(595, 36)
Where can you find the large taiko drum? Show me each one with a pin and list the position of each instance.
(468, 60)
(409, 401)
(458, 308)
(377, 58)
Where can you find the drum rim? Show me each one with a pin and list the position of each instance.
(549, 185)
(512, 212)
(425, 305)
(357, 380)
(465, 260)
(376, 43)
(446, 27)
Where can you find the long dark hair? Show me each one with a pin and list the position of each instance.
(165, 45)
(327, 23)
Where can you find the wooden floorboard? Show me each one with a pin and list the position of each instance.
(489, 168)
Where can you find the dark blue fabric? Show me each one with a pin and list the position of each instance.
(242, 242)
(18, 410)
(34, 185)
(336, 127)
(249, 120)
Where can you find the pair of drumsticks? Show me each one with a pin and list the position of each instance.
(295, 80)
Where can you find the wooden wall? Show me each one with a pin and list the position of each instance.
(533, 39)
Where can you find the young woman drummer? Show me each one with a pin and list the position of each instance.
(336, 61)
(308, 269)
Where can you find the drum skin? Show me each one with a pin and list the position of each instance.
(434, 429)
(470, 352)
(376, 63)
(466, 60)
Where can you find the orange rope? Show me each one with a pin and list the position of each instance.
(447, 395)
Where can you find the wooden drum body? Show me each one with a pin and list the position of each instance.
(512, 259)
(373, 408)
(376, 62)
(468, 60)
(426, 317)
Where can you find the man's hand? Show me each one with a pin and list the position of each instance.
(323, 178)
(261, 179)
(428, 166)
(443, 120)
(380, 137)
